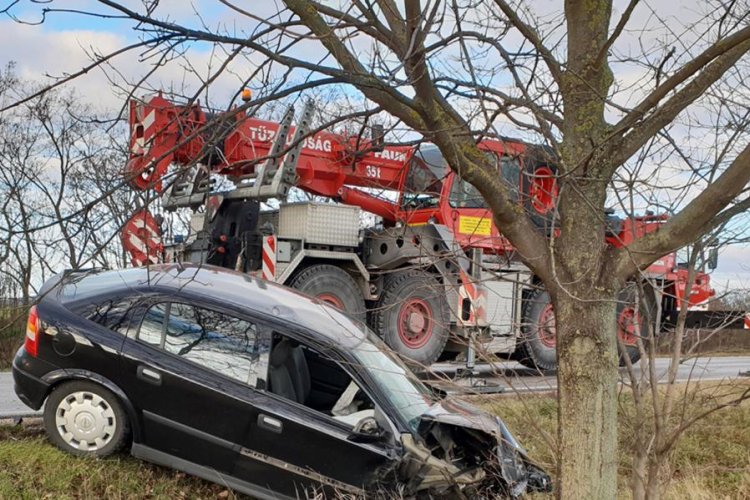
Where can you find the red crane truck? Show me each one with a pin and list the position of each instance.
(433, 274)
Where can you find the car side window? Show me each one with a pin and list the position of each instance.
(153, 325)
(314, 379)
(225, 344)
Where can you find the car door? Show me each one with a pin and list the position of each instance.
(190, 371)
(294, 449)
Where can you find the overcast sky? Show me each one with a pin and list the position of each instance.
(64, 42)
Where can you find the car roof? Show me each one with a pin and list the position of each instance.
(230, 289)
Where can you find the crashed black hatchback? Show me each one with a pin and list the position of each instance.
(250, 385)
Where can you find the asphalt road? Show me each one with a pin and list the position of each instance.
(498, 377)
(512, 377)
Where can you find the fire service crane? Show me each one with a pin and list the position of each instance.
(435, 273)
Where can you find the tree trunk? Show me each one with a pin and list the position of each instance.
(587, 395)
(654, 483)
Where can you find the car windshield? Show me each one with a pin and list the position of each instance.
(407, 395)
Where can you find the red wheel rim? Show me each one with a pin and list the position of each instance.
(546, 327)
(627, 325)
(543, 190)
(415, 323)
(329, 298)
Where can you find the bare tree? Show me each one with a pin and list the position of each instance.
(56, 156)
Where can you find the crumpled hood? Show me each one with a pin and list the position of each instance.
(460, 433)
(461, 414)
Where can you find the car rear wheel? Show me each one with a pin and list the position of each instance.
(634, 321)
(332, 285)
(84, 418)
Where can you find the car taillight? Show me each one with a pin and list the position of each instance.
(32, 333)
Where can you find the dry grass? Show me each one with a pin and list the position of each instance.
(710, 461)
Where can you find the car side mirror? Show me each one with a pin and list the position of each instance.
(713, 258)
(367, 430)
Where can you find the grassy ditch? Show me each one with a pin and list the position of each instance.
(31, 468)
(711, 461)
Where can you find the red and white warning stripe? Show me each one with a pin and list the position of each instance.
(141, 238)
(747, 321)
(477, 296)
(269, 258)
(142, 137)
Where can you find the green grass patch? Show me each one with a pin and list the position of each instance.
(31, 468)
(710, 461)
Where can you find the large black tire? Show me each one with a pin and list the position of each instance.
(537, 343)
(536, 349)
(79, 412)
(412, 317)
(332, 285)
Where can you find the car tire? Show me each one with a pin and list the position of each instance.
(537, 344)
(415, 294)
(332, 285)
(80, 412)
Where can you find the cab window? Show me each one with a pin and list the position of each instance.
(222, 343)
(465, 195)
(424, 180)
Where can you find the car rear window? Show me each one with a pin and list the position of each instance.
(86, 284)
(111, 313)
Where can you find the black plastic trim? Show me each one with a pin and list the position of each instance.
(161, 458)
(186, 429)
(31, 390)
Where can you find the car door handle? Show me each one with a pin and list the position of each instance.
(149, 375)
(270, 423)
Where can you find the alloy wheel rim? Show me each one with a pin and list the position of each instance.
(85, 421)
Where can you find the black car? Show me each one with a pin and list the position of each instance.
(250, 385)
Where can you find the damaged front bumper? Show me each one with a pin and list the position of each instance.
(465, 452)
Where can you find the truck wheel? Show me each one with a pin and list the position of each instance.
(332, 285)
(538, 334)
(412, 317)
(539, 338)
(628, 319)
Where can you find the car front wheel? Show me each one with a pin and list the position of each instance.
(84, 418)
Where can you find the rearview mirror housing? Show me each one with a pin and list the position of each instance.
(367, 430)
(713, 258)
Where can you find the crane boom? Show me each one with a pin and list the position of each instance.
(263, 158)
